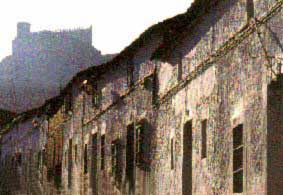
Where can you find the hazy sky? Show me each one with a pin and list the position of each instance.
(115, 23)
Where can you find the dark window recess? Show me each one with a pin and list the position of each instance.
(54, 156)
(143, 144)
(68, 103)
(138, 142)
(250, 9)
(85, 159)
(76, 153)
(204, 138)
(102, 152)
(172, 154)
(130, 74)
(130, 153)
(140, 156)
(238, 159)
(44, 159)
(187, 159)
(180, 68)
(94, 164)
(38, 159)
(117, 161)
(58, 175)
(113, 157)
(155, 87)
(70, 163)
(96, 95)
(70, 157)
(274, 135)
(66, 158)
(19, 159)
(13, 161)
(148, 83)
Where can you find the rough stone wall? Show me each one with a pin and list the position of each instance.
(110, 118)
(113, 124)
(20, 163)
(197, 105)
(234, 94)
(232, 91)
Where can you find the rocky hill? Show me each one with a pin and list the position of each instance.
(41, 64)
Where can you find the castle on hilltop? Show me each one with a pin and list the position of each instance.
(27, 41)
(43, 62)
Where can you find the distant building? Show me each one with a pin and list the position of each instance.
(28, 42)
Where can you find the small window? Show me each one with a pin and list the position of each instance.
(143, 145)
(155, 88)
(113, 156)
(94, 158)
(39, 159)
(19, 159)
(238, 159)
(130, 75)
(139, 143)
(187, 168)
(96, 95)
(85, 160)
(180, 69)
(70, 163)
(148, 83)
(172, 154)
(44, 159)
(76, 153)
(130, 154)
(12, 161)
(70, 154)
(68, 103)
(250, 9)
(66, 157)
(102, 152)
(117, 161)
(203, 139)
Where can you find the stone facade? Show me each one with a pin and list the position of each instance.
(197, 113)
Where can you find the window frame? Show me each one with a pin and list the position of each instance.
(204, 123)
(85, 158)
(172, 152)
(102, 151)
(238, 148)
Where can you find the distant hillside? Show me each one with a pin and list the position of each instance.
(42, 63)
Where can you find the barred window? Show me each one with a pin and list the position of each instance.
(238, 159)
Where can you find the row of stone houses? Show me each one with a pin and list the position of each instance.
(193, 106)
